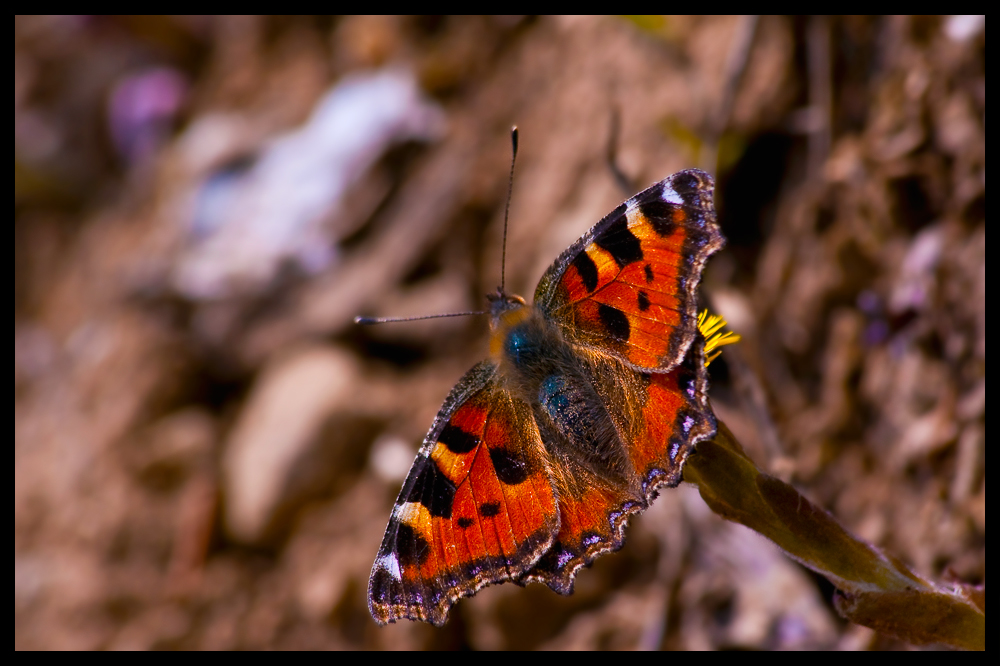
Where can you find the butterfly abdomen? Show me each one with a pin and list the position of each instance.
(575, 410)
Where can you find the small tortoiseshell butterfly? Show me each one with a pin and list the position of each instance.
(591, 399)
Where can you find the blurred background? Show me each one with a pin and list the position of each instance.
(207, 449)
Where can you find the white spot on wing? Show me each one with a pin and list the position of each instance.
(411, 513)
(391, 564)
(670, 195)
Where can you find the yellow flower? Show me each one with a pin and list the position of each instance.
(710, 325)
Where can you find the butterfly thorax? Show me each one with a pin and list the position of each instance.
(544, 370)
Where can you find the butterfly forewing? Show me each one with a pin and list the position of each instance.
(628, 285)
(477, 507)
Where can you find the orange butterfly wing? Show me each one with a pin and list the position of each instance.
(660, 417)
(477, 507)
(628, 286)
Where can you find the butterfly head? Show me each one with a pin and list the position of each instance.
(506, 311)
(502, 305)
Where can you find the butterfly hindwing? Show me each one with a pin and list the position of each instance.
(478, 506)
(628, 285)
(675, 416)
(660, 417)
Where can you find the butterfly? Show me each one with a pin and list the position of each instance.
(591, 399)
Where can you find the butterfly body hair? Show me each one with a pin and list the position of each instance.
(542, 368)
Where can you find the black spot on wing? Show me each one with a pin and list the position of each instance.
(660, 215)
(465, 522)
(384, 588)
(620, 243)
(510, 468)
(489, 509)
(431, 488)
(410, 548)
(615, 322)
(457, 440)
(587, 269)
(649, 273)
(685, 183)
(643, 301)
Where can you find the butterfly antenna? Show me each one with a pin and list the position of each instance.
(611, 154)
(369, 321)
(506, 212)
